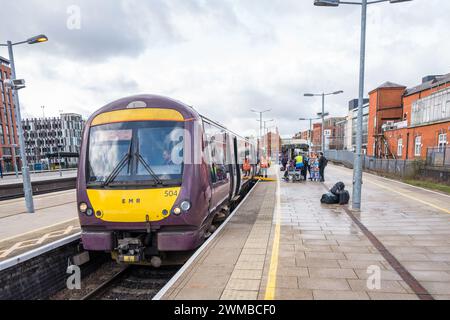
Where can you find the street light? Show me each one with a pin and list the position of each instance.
(261, 120)
(28, 191)
(14, 146)
(264, 131)
(357, 163)
(323, 114)
(310, 129)
(60, 147)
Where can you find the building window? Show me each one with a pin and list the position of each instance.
(442, 141)
(418, 146)
(400, 147)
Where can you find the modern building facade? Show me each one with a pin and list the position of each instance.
(50, 139)
(353, 124)
(9, 141)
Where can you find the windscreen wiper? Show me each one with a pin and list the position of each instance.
(148, 168)
(125, 160)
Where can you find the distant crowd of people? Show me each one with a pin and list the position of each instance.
(313, 164)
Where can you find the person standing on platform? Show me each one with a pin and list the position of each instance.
(264, 165)
(246, 167)
(284, 161)
(314, 175)
(322, 164)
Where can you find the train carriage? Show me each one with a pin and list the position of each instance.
(153, 177)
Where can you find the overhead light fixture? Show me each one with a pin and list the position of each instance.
(37, 39)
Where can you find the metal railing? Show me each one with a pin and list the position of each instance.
(438, 156)
(397, 167)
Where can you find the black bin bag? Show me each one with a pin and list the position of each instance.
(337, 188)
(344, 197)
(329, 198)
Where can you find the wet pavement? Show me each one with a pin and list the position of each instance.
(283, 244)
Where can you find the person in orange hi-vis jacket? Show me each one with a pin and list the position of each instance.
(246, 167)
(264, 165)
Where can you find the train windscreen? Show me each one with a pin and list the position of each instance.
(136, 153)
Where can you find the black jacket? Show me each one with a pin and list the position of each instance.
(322, 162)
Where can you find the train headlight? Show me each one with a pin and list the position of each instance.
(89, 212)
(83, 207)
(177, 211)
(185, 205)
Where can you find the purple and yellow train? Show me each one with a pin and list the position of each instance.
(153, 177)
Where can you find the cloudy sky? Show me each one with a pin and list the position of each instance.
(224, 57)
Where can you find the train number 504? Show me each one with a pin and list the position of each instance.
(170, 193)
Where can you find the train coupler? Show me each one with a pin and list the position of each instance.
(130, 250)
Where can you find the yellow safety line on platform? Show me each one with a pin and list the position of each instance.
(272, 278)
(404, 194)
(411, 197)
(265, 179)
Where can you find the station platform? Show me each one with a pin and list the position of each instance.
(38, 176)
(281, 243)
(55, 217)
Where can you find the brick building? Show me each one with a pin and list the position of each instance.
(317, 137)
(9, 140)
(334, 133)
(410, 123)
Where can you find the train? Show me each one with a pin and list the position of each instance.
(155, 177)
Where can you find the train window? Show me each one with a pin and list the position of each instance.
(215, 151)
(139, 151)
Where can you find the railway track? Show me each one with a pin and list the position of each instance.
(132, 283)
(113, 281)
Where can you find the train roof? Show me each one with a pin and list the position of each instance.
(148, 101)
(156, 101)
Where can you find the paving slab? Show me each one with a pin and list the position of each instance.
(55, 217)
(289, 246)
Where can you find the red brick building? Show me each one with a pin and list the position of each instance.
(8, 127)
(317, 137)
(409, 123)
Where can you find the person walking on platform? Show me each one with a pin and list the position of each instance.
(322, 164)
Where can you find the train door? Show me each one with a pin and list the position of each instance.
(231, 160)
(238, 164)
(216, 152)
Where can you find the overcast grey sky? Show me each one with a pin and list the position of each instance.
(221, 56)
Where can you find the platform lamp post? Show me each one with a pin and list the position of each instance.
(310, 129)
(264, 126)
(28, 191)
(358, 158)
(323, 114)
(14, 146)
(260, 122)
(60, 147)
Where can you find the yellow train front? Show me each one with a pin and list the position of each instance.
(154, 175)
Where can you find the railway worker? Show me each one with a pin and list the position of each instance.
(246, 167)
(264, 165)
(298, 161)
